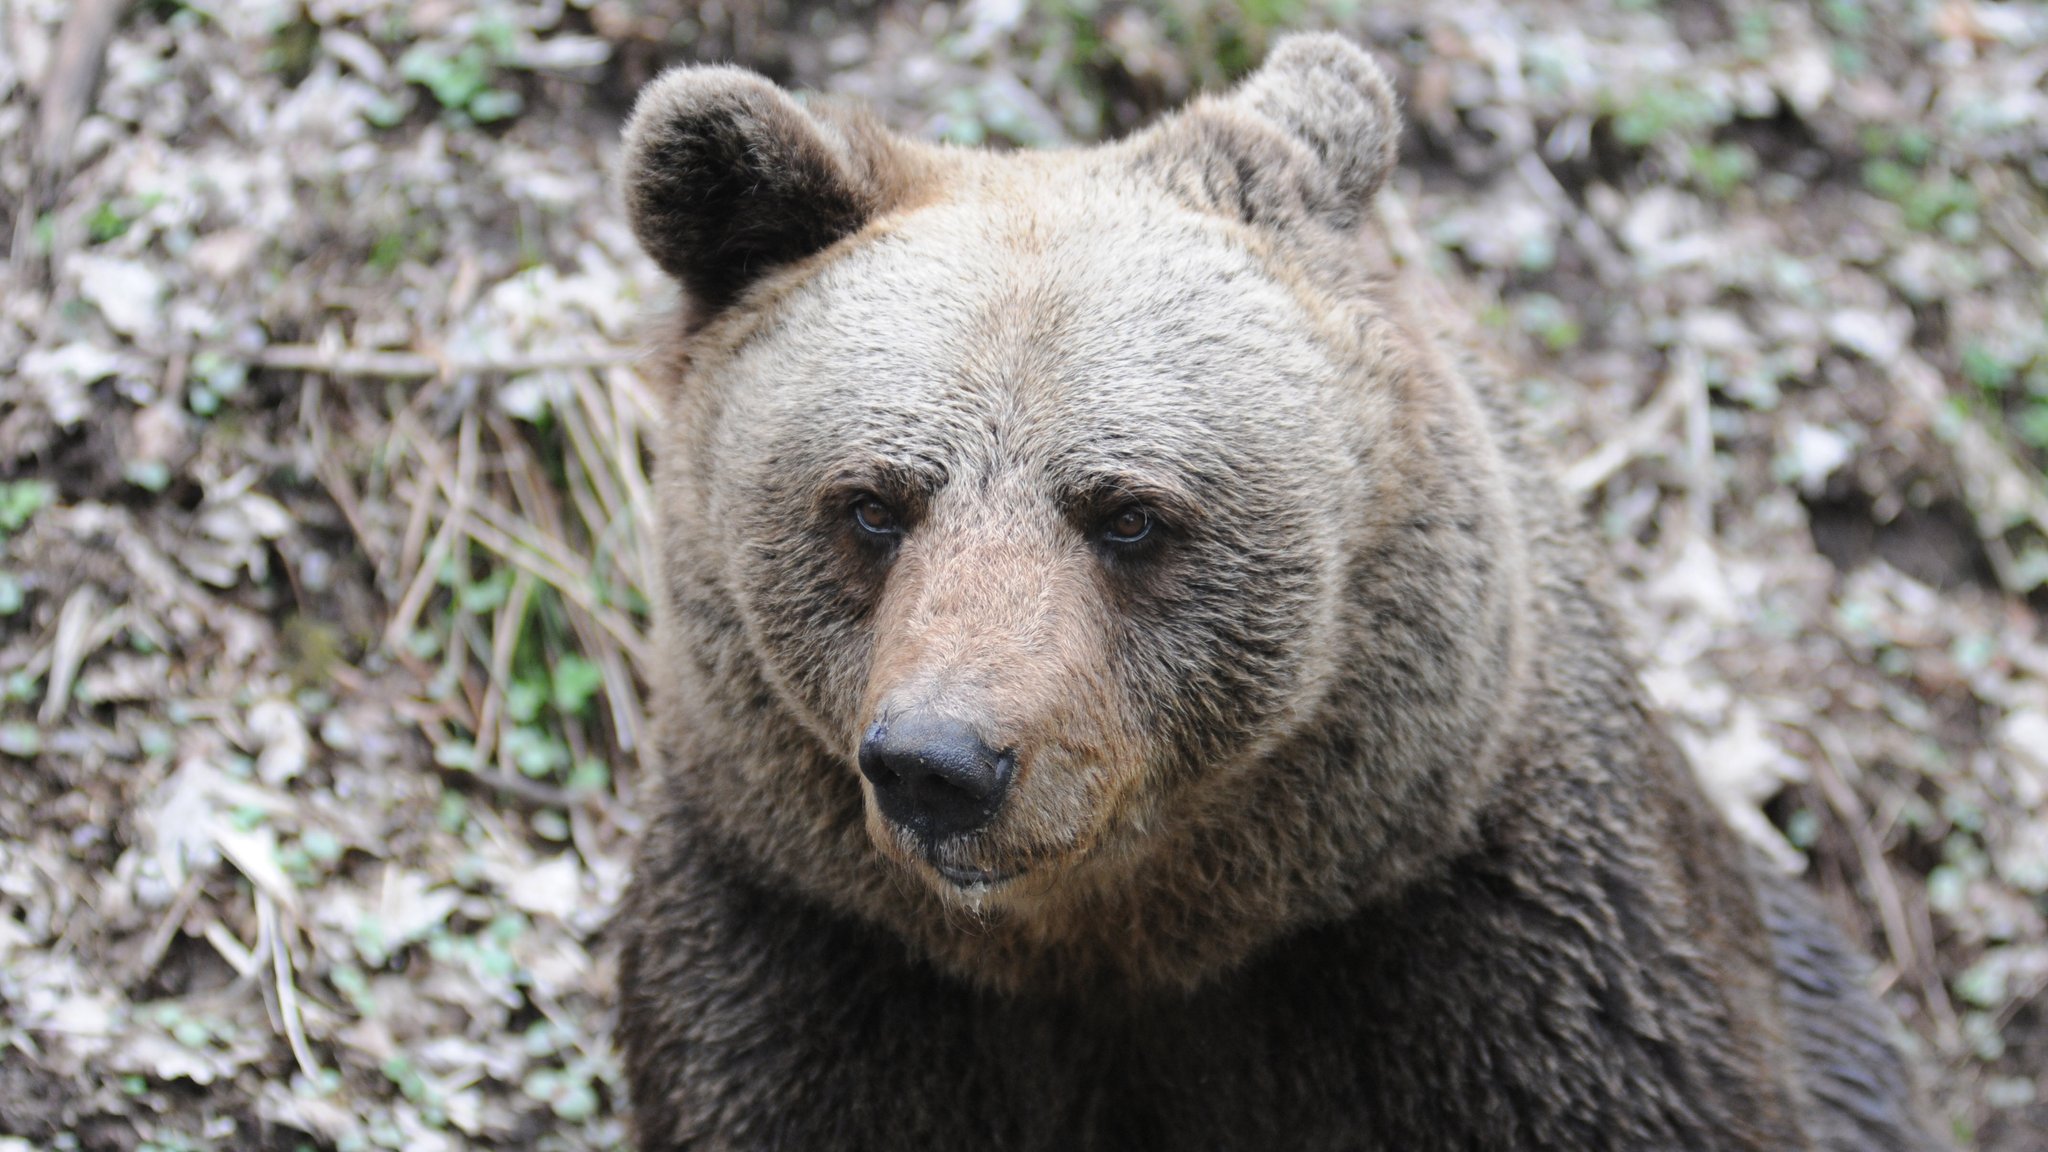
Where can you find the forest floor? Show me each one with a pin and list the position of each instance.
(325, 549)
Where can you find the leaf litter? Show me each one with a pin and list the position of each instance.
(326, 550)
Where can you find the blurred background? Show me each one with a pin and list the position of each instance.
(324, 543)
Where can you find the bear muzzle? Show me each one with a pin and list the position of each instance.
(936, 778)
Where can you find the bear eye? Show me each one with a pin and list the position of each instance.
(1128, 526)
(875, 517)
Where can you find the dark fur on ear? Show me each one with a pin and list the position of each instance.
(726, 178)
(1313, 132)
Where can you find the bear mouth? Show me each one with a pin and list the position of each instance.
(969, 879)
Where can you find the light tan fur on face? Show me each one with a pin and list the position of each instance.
(991, 619)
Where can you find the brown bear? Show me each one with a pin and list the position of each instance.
(1132, 685)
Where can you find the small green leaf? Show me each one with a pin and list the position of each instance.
(537, 753)
(495, 104)
(550, 824)
(105, 223)
(223, 375)
(1984, 984)
(541, 1039)
(20, 740)
(2032, 425)
(452, 813)
(157, 742)
(454, 81)
(506, 927)
(590, 775)
(387, 111)
(487, 595)
(542, 1084)
(351, 983)
(387, 252)
(321, 845)
(424, 644)
(577, 1102)
(457, 755)
(1889, 179)
(21, 500)
(523, 700)
(370, 941)
(576, 681)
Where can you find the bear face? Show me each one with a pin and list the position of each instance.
(1060, 536)
(1084, 538)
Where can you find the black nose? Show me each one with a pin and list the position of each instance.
(933, 775)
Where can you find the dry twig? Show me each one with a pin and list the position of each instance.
(1643, 435)
(1830, 772)
(417, 366)
(66, 97)
(271, 928)
(77, 625)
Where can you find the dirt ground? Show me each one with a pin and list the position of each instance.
(324, 543)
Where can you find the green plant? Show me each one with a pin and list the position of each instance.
(1671, 111)
(293, 49)
(20, 500)
(1550, 320)
(148, 475)
(387, 251)
(20, 740)
(214, 379)
(1719, 169)
(464, 79)
(2008, 387)
(113, 218)
(1848, 17)
(105, 223)
(1897, 169)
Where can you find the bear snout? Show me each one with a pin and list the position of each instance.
(934, 775)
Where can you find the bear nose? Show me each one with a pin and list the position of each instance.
(934, 775)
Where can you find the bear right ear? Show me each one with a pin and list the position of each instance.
(726, 178)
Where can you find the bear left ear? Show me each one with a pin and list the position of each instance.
(1313, 130)
(727, 178)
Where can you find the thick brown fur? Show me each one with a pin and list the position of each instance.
(1338, 821)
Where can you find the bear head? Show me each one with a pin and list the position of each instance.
(1079, 563)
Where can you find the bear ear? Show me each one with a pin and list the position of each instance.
(726, 178)
(1314, 129)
